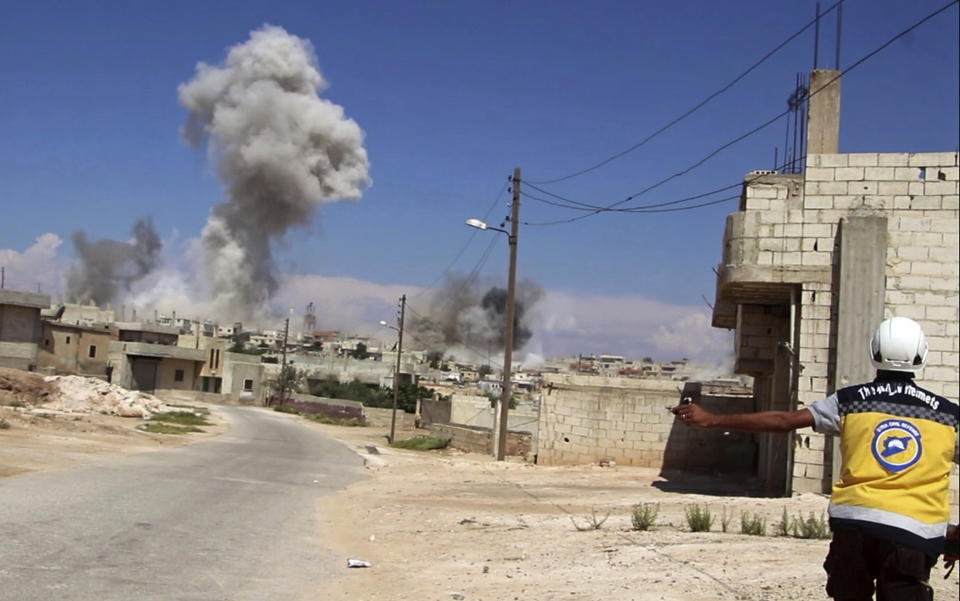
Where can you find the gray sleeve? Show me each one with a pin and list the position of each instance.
(826, 415)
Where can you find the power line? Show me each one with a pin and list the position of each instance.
(760, 127)
(695, 108)
(581, 206)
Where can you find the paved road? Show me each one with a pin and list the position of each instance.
(230, 519)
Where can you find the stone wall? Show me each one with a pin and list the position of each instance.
(478, 440)
(590, 419)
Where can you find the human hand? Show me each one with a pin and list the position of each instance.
(692, 415)
(950, 550)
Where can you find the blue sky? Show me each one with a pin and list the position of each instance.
(451, 96)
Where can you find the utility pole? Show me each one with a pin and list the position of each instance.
(501, 431)
(283, 362)
(396, 374)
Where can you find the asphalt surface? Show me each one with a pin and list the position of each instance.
(229, 519)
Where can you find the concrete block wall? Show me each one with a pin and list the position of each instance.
(918, 193)
(590, 419)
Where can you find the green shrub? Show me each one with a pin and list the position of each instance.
(157, 428)
(183, 418)
(699, 519)
(3, 424)
(421, 443)
(592, 522)
(724, 519)
(753, 525)
(812, 527)
(285, 409)
(643, 516)
(335, 421)
(782, 528)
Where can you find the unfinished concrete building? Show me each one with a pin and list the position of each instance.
(20, 328)
(812, 262)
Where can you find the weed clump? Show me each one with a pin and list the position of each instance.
(592, 522)
(421, 443)
(812, 527)
(182, 418)
(699, 519)
(161, 428)
(754, 525)
(644, 515)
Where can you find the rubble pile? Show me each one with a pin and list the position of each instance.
(77, 394)
(73, 394)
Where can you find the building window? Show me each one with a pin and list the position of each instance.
(93, 351)
(68, 340)
(247, 385)
(178, 375)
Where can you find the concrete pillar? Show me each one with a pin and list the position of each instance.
(861, 287)
(823, 114)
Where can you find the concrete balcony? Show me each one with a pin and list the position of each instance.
(763, 254)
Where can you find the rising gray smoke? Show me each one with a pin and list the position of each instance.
(109, 267)
(462, 314)
(281, 151)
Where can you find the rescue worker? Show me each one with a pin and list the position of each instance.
(889, 511)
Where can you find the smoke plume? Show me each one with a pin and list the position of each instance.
(281, 150)
(463, 315)
(109, 267)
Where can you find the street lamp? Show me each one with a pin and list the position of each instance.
(500, 432)
(396, 374)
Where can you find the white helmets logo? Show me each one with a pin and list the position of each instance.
(899, 345)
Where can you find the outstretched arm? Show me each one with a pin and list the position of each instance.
(764, 421)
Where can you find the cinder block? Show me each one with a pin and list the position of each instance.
(943, 223)
(878, 174)
(906, 173)
(817, 258)
(819, 175)
(817, 230)
(941, 313)
(861, 187)
(902, 203)
(864, 159)
(898, 159)
(931, 188)
(847, 203)
(792, 232)
(849, 174)
(823, 189)
(913, 223)
(833, 160)
(948, 173)
(892, 188)
(926, 268)
(790, 258)
(951, 202)
(944, 284)
(913, 253)
(933, 159)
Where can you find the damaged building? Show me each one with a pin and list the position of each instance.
(813, 261)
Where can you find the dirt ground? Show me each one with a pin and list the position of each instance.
(445, 525)
(454, 526)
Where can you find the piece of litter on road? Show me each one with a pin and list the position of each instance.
(373, 537)
(358, 563)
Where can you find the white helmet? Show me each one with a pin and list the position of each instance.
(899, 345)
